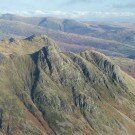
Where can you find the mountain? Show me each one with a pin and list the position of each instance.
(121, 32)
(60, 31)
(44, 91)
(47, 22)
(28, 20)
(15, 29)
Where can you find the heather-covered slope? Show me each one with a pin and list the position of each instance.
(127, 65)
(46, 91)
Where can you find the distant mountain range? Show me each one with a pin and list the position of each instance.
(115, 39)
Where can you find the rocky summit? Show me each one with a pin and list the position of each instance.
(44, 91)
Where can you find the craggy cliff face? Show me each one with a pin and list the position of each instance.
(44, 91)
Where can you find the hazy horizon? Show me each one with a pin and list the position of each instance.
(89, 10)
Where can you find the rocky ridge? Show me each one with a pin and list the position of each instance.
(46, 91)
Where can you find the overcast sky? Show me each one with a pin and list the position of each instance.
(113, 10)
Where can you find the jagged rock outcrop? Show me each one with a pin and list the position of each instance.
(46, 91)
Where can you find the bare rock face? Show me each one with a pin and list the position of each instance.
(45, 91)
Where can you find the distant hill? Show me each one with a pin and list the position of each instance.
(29, 20)
(71, 35)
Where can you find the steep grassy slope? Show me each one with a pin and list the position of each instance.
(46, 91)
